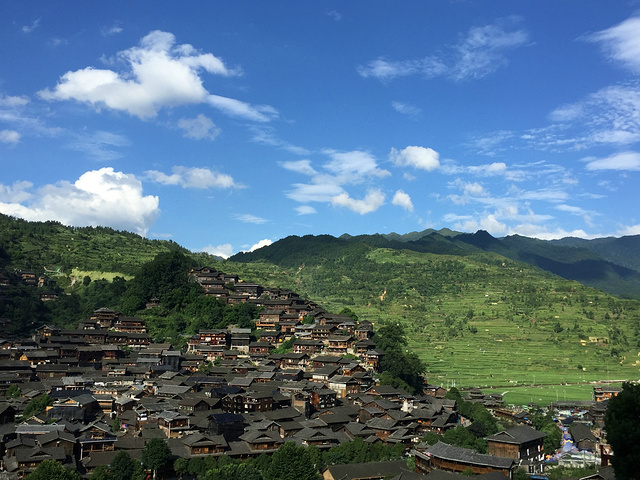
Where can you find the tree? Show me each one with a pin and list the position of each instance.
(156, 456)
(349, 313)
(37, 405)
(53, 470)
(123, 466)
(181, 466)
(13, 391)
(621, 421)
(101, 472)
(291, 462)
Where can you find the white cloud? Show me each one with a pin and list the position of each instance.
(266, 136)
(305, 210)
(489, 223)
(12, 101)
(300, 166)
(402, 199)
(99, 197)
(477, 55)
(248, 218)
(199, 128)
(483, 51)
(621, 43)
(99, 145)
(317, 192)
(405, 108)
(262, 243)
(609, 116)
(543, 233)
(15, 193)
(373, 200)
(112, 30)
(491, 143)
(488, 170)
(416, 157)
(9, 136)
(587, 216)
(193, 177)
(337, 16)
(630, 230)
(351, 167)
(32, 26)
(225, 250)
(161, 74)
(618, 161)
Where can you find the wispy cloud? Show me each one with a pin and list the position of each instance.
(99, 145)
(199, 128)
(406, 109)
(9, 136)
(193, 177)
(337, 16)
(305, 210)
(267, 136)
(248, 218)
(113, 29)
(31, 27)
(621, 43)
(481, 52)
(629, 161)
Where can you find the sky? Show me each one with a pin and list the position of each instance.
(225, 126)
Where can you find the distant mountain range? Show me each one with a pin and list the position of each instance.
(609, 264)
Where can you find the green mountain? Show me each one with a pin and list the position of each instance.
(474, 311)
(474, 316)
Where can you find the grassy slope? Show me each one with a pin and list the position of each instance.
(509, 338)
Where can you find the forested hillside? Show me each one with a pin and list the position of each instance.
(473, 316)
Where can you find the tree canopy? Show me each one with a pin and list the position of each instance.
(621, 423)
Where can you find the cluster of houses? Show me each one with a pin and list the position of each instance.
(228, 393)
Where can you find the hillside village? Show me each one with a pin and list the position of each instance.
(230, 393)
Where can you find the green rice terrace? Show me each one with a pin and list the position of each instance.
(478, 320)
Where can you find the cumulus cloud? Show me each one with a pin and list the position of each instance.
(417, 157)
(160, 74)
(193, 177)
(353, 166)
(225, 250)
(262, 243)
(543, 233)
(402, 199)
(481, 52)
(490, 223)
(199, 128)
(99, 197)
(305, 210)
(621, 43)
(248, 218)
(16, 193)
(630, 230)
(373, 200)
(619, 161)
(9, 136)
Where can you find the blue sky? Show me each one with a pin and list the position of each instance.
(228, 125)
